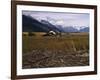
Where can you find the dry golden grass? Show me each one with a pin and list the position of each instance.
(51, 51)
(77, 41)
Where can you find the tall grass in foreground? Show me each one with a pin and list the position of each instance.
(52, 51)
(65, 43)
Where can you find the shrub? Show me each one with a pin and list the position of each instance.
(31, 34)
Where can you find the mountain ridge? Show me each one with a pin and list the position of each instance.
(31, 24)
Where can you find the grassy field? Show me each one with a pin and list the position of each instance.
(51, 51)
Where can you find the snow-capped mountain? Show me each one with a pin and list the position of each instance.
(32, 25)
(79, 27)
(45, 25)
(85, 29)
(76, 29)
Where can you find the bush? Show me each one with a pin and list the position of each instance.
(31, 34)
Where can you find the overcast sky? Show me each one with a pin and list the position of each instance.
(61, 18)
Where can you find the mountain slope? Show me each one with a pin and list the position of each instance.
(53, 27)
(86, 29)
(30, 24)
(70, 29)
